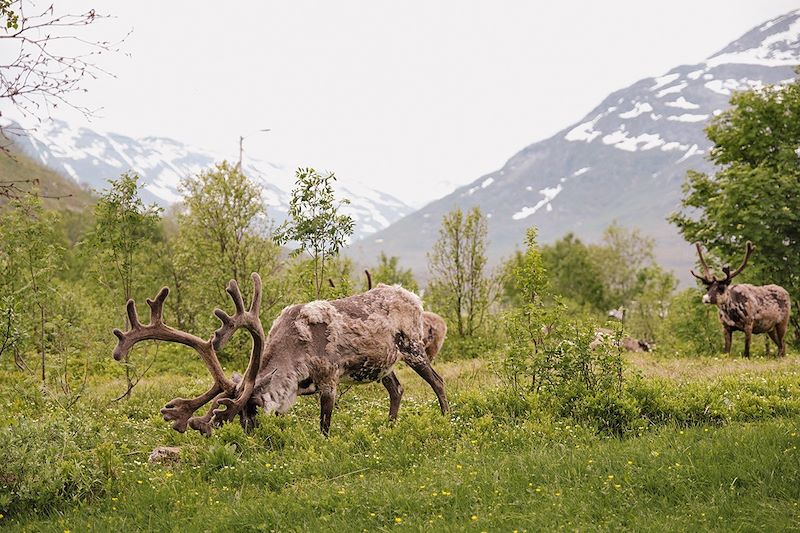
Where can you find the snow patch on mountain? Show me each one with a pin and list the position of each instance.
(623, 141)
(682, 103)
(549, 193)
(638, 109)
(773, 51)
(584, 132)
(688, 117)
(581, 171)
(674, 89)
(664, 80)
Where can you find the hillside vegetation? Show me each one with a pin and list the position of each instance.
(17, 167)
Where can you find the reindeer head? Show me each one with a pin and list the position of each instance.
(717, 287)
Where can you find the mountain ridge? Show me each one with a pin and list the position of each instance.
(91, 157)
(624, 161)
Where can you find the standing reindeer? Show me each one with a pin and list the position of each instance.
(310, 349)
(744, 307)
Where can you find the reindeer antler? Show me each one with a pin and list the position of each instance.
(706, 277)
(748, 250)
(180, 410)
(251, 322)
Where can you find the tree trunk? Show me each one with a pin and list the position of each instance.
(128, 380)
(41, 339)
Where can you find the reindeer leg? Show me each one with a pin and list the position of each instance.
(780, 334)
(327, 399)
(728, 340)
(748, 336)
(395, 390)
(773, 334)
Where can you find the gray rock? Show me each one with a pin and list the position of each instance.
(165, 455)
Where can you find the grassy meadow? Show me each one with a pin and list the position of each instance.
(713, 447)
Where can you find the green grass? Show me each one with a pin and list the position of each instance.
(715, 453)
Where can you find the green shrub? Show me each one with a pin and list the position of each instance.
(691, 328)
(478, 346)
(219, 456)
(48, 464)
(610, 413)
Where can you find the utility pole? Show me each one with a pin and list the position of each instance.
(241, 145)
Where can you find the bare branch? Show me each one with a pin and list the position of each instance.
(48, 61)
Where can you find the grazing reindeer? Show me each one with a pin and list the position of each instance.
(744, 307)
(310, 348)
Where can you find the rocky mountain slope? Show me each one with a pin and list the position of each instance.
(91, 157)
(624, 161)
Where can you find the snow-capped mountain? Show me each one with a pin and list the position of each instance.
(91, 157)
(624, 161)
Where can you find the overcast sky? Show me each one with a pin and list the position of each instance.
(412, 97)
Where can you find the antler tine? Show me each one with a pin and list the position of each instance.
(241, 318)
(133, 316)
(748, 250)
(157, 306)
(698, 276)
(236, 296)
(255, 305)
(706, 271)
